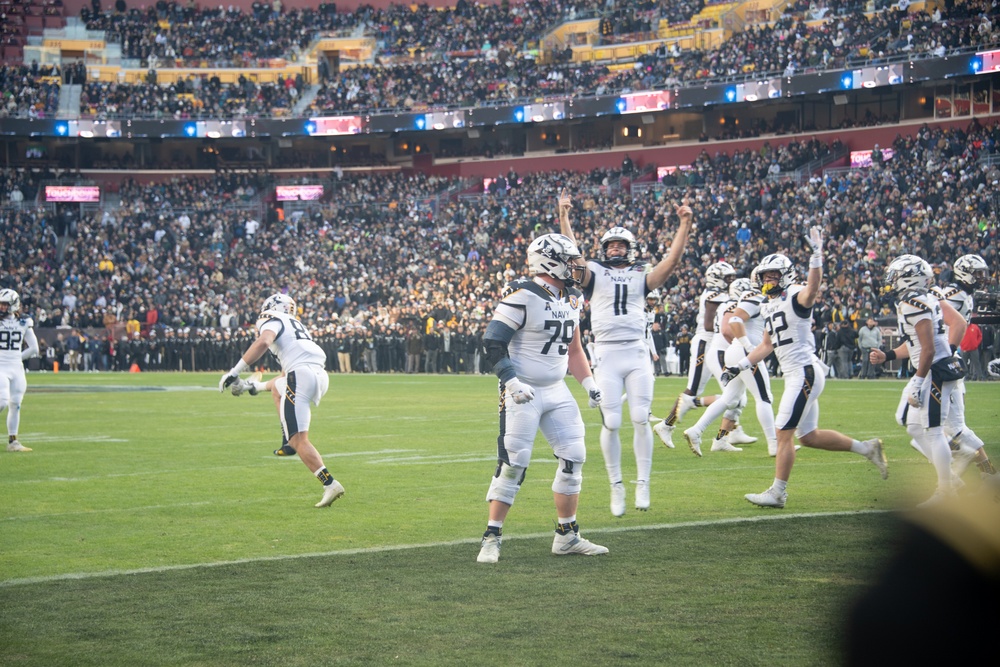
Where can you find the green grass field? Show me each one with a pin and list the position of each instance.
(153, 526)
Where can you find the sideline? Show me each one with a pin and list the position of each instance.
(407, 547)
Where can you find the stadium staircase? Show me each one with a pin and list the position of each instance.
(305, 99)
(69, 100)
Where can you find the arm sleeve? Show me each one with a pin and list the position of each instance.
(495, 340)
(31, 349)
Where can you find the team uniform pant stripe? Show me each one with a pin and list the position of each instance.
(758, 378)
(501, 450)
(288, 406)
(799, 406)
(699, 366)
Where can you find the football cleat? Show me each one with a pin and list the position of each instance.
(665, 433)
(642, 495)
(694, 441)
(877, 456)
(15, 446)
(684, 403)
(285, 450)
(331, 492)
(572, 543)
(489, 552)
(770, 498)
(739, 437)
(617, 499)
(939, 496)
(722, 445)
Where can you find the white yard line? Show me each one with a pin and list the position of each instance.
(429, 545)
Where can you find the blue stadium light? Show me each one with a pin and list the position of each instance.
(519, 115)
(976, 64)
(421, 122)
(190, 129)
(847, 81)
(621, 105)
(310, 127)
(731, 94)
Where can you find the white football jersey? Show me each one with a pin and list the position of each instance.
(790, 327)
(959, 299)
(719, 341)
(293, 346)
(544, 320)
(617, 302)
(915, 309)
(710, 295)
(754, 326)
(13, 331)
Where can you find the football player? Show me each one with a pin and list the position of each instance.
(17, 343)
(531, 342)
(971, 273)
(718, 277)
(303, 381)
(787, 315)
(617, 286)
(742, 329)
(921, 321)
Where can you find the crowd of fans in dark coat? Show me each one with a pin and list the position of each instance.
(382, 263)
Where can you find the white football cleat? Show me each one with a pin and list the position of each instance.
(939, 496)
(642, 495)
(722, 445)
(16, 446)
(739, 437)
(490, 551)
(331, 492)
(694, 441)
(617, 499)
(877, 456)
(572, 543)
(665, 433)
(246, 386)
(684, 403)
(770, 498)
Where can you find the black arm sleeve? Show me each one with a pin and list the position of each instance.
(495, 341)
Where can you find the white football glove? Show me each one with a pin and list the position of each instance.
(228, 379)
(815, 238)
(914, 391)
(520, 392)
(593, 393)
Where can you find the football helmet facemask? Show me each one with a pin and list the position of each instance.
(908, 275)
(555, 255)
(972, 272)
(13, 301)
(279, 303)
(774, 263)
(625, 236)
(720, 275)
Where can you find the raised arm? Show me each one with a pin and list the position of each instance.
(807, 297)
(566, 229)
(666, 266)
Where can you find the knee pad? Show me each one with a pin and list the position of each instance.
(611, 420)
(506, 482)
(639, 415)
(967, 438)
(569, 478)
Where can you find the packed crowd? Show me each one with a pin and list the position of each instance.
(457, 50)
(29, 91)
(193, 97)
(376, 260)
